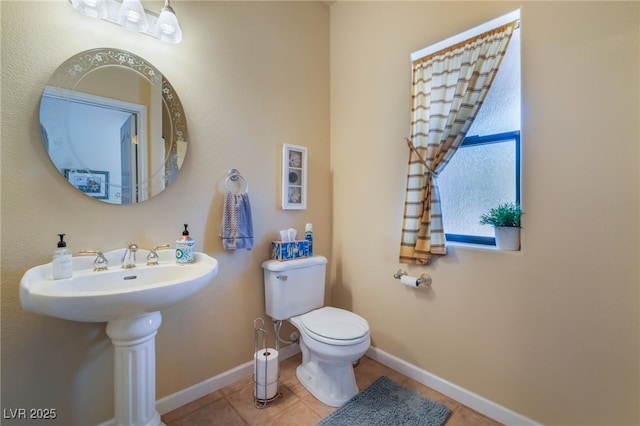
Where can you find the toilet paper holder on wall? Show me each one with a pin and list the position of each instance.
(423, 278)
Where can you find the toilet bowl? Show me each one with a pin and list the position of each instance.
(331, 340)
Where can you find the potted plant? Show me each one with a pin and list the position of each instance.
(505, 220)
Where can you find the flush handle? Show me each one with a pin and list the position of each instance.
(282, 277)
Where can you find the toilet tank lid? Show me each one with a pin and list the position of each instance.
(277, 266)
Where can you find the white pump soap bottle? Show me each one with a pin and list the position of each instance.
(62, 263)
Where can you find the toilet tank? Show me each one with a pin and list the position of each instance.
(294, 287)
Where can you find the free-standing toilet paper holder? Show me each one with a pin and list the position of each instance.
(423, 278)
(260, 339)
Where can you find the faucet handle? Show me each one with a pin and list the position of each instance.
(152, 257)
(129, 256)
(100, 263)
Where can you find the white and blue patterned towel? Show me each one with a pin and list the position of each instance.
(236, 229)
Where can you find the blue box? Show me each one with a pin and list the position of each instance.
(289, 250)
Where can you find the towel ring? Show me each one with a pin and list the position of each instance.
(235, 176)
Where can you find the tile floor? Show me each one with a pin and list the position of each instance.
(234, 405)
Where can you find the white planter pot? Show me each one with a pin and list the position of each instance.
(507, 238)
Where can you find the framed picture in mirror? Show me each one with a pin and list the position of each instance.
(294, 177)
(91, 182)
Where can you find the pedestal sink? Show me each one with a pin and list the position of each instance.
(129, 301)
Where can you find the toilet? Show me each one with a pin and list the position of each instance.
(331, 339)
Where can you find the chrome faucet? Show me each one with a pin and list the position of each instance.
(100, 263)
(152, 257)
(129, 257)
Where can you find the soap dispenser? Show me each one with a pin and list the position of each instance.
(62, 263)
(184, 247)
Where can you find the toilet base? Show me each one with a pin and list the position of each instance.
(327, 366)
(332, 387)
(327, 371)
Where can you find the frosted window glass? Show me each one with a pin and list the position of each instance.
(478, 178)
(483, 175)
(500, 112)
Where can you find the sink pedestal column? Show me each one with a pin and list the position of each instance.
(135, 369)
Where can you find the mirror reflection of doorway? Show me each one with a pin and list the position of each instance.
(102, 134)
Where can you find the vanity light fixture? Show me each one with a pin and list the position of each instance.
(131, 14)
(92, 8)
(167, 27)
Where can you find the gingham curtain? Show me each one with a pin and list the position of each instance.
(448, 90)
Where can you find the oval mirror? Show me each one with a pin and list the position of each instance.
(113, 126)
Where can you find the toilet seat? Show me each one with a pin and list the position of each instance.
(335, 326)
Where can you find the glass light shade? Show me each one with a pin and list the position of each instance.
(92, 8)
(167, 27)
(132, 16)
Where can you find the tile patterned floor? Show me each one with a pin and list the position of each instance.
(233, 405)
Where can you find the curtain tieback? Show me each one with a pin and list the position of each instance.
(415, 150)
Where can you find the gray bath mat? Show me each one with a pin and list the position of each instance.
(387, 403)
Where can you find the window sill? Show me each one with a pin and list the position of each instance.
(479, 247)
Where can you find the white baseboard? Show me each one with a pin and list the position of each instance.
(212, 384)
(463, 396)
(185, 396)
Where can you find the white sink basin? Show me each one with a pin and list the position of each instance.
(115, 293)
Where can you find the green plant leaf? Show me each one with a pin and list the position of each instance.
(507, 214)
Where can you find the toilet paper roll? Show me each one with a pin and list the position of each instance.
(409, 281)
(266, 373)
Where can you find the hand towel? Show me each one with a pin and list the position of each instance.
(236, 229)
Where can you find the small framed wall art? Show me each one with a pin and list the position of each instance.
(294, 177)
(91, 182)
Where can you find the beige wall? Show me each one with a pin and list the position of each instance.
(552, 331)
(251, 76)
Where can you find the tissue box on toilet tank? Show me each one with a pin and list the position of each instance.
(289, 250)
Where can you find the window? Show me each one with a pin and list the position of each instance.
(450, 84)
(485, 171)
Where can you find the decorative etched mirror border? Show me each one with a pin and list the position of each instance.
(74, 69)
